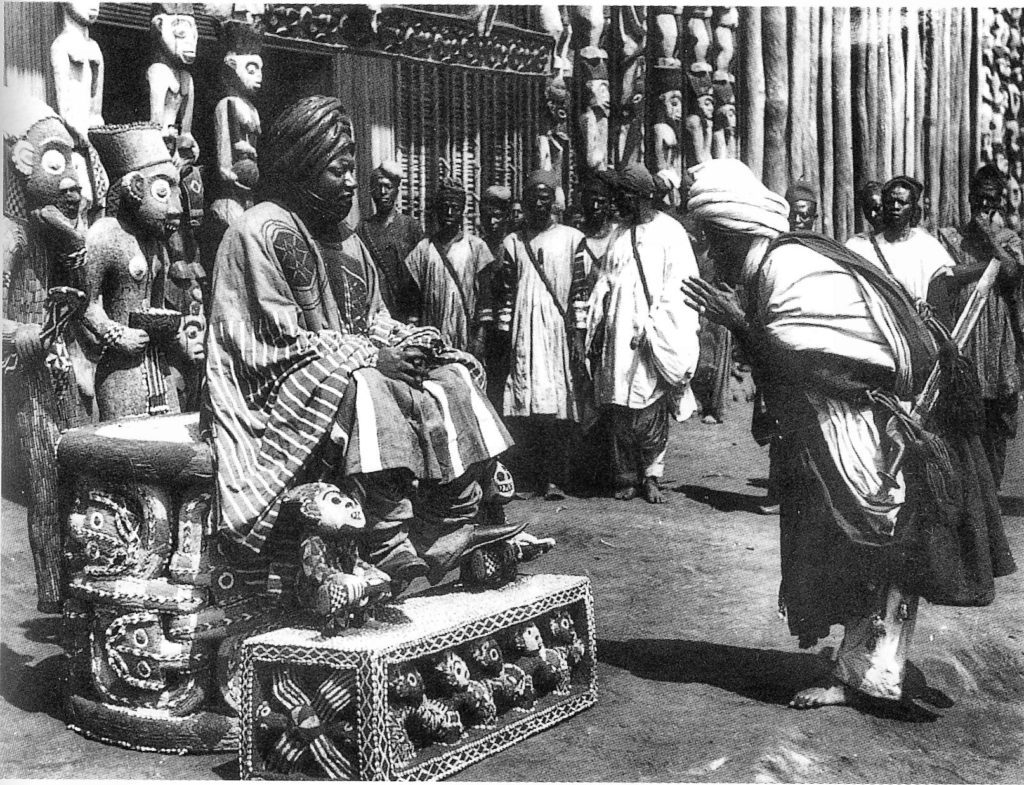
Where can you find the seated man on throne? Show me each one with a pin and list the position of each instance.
(309, 377)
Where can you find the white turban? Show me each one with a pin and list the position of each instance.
(727, 195)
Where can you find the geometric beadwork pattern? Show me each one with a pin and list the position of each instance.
(449, 680)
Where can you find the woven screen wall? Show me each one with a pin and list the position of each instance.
(480, 127)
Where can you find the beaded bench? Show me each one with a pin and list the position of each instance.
(496, 666)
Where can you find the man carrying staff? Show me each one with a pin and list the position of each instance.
(390, 236)
(641, 337)
(841, 349)
(309, 377)
(448, 270)
(993, 346)
(546, 270)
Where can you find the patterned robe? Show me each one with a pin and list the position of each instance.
(287, 335)
(540, 380)
(454, 306)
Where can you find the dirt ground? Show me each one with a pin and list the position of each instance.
(695, 667)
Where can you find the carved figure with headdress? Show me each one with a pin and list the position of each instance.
(128, 266)
(631, 25)
(171, 88)
(43, 279)
(77, 65)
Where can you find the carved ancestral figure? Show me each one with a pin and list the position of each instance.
(554, 136)
(128, 263)
(700, 120)
(171, 89)
(560, 631)
(592, 60)
(42, 249)
(631, 26)
(447, 679)
(77, 64)
(333, 582)
(237, 123)
(667, 85)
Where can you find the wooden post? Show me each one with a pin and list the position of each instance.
(799, 83)
(968, 123)
(921, 96)
(871, 93)
(811, 154)
(865, 165)
(752, 116)
(826, 89)
(898, 75)
(885, 134)
(843, 206)
(776, 71)
(910, 118)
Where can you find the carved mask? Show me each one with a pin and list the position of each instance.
(671, 105)
(43, 159)
(83, 13)
(248, 69)
(178, 36)
(598, 95)
(153, 198)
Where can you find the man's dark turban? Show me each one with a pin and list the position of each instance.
(304, 139)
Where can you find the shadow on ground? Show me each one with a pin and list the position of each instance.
(30, 687)
(764, 675)
(723, 501)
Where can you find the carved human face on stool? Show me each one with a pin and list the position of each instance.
(538, 204)
(670, 105)
(178, 36)
(84, 13)
(43, 160)
(249, 70)
(802, 215)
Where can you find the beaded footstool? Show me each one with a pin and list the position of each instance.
(447, 680)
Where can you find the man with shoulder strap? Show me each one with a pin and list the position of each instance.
(447, 268)
(545, 269)
(641, 337)
(389, 236)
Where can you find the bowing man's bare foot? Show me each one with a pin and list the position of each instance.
(652, 491)
(834, 693)
(627, 493)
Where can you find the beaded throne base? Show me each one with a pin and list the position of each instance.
(455, 678)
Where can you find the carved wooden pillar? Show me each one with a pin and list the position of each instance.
(723, 144)
(592, 73)
(699, 101)
(629, 24)
(666, 89)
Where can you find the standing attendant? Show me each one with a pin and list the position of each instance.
(495, 224)
(641, 337)
(448, 268)
(547, 270)
(390, 236)
(993, 346)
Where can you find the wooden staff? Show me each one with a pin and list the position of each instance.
(898, 75)
(842, 123)
(825, 91)
(799, 81)
(884, 139)
(910, 117)
(752, 117)
(776, 77)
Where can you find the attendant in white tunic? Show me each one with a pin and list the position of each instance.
(905, 251)
(448, 267)
(642, 338)
(546, 269)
